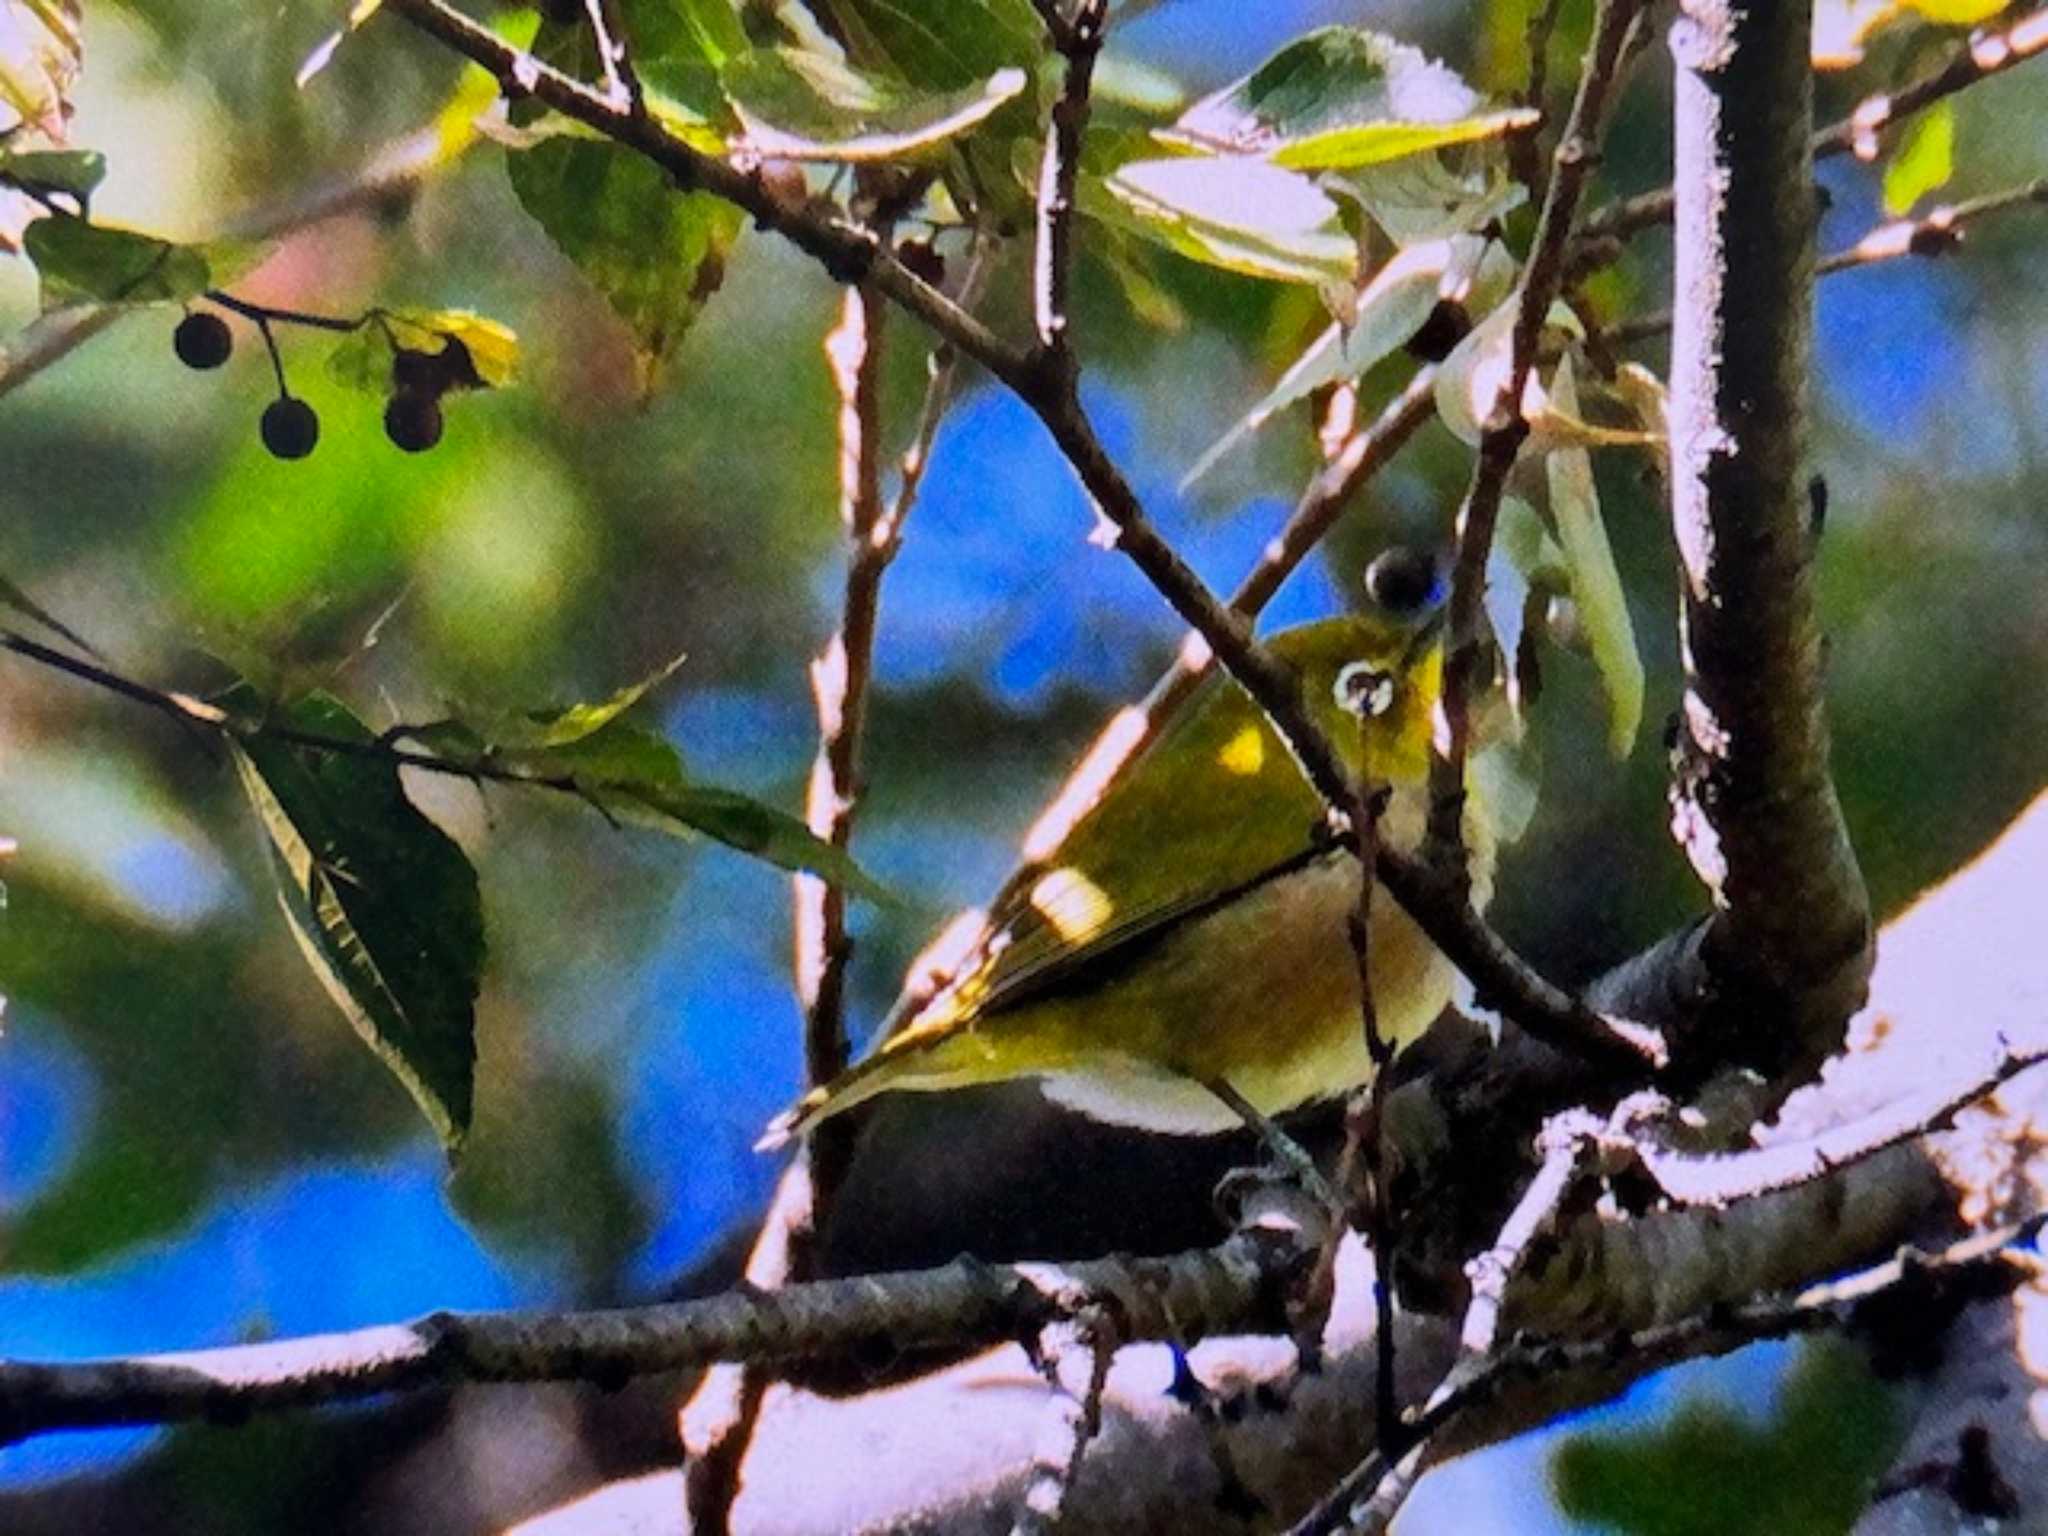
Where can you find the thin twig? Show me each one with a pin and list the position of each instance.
(1079, 41)
(1524, 150)
(1975, 61)
(1507, 426)
(615, 50)
(185, 708)
(1234, 1287)
(1076, 1422)
(1934, 233)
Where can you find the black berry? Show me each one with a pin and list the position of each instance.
(1403, 581)
(413, 421)
(290, 429)
(1444, 329)
(921, 257)
(202, 341)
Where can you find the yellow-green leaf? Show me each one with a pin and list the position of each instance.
(1924, 160)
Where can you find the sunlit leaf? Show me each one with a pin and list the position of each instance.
(383, 903)
(81, 262)
(790, 112)
(1596, 584)
(1232, 212)
(41, 52)
(1341, 98)
(1924, 160)
(566, 724)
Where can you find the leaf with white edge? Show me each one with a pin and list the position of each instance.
(1322, 82)
(801, 106)
(1924, 160)
(79, 262)
(41, 53)
(1341, 98)
(382, 901)
(11, 596)
(1421, 198)
(1386, 312)
(1596, 585)
(1231, 212)
(72, 173)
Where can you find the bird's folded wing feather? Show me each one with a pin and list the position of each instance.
(1158, 850)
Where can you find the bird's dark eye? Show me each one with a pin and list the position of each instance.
(1364, 690)
(1404, 581)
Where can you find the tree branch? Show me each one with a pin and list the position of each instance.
(1786, 954)
(1934, 233)
(1239, 1285)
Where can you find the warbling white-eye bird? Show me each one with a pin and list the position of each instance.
(1191, 929)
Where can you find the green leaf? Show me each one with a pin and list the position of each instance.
(1421, 198)
(383, 903)
(1596, 584)
(655, 254)
(568, 724)
(714, 29)
(796, 105)
(84, 263)
(1342, 97)
(72, 172)
(1924, 160)
(637, 775)
(1344, 149)
(935, 45)
(1232, 212)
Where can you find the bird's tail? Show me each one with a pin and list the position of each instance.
(927, 1057)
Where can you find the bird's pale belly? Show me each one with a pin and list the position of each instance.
(1263, 993)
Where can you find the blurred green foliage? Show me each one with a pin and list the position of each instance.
(1715, 1469)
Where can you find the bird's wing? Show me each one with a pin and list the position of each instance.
(1155, 852)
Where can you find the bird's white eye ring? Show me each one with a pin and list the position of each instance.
(1363, 690)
